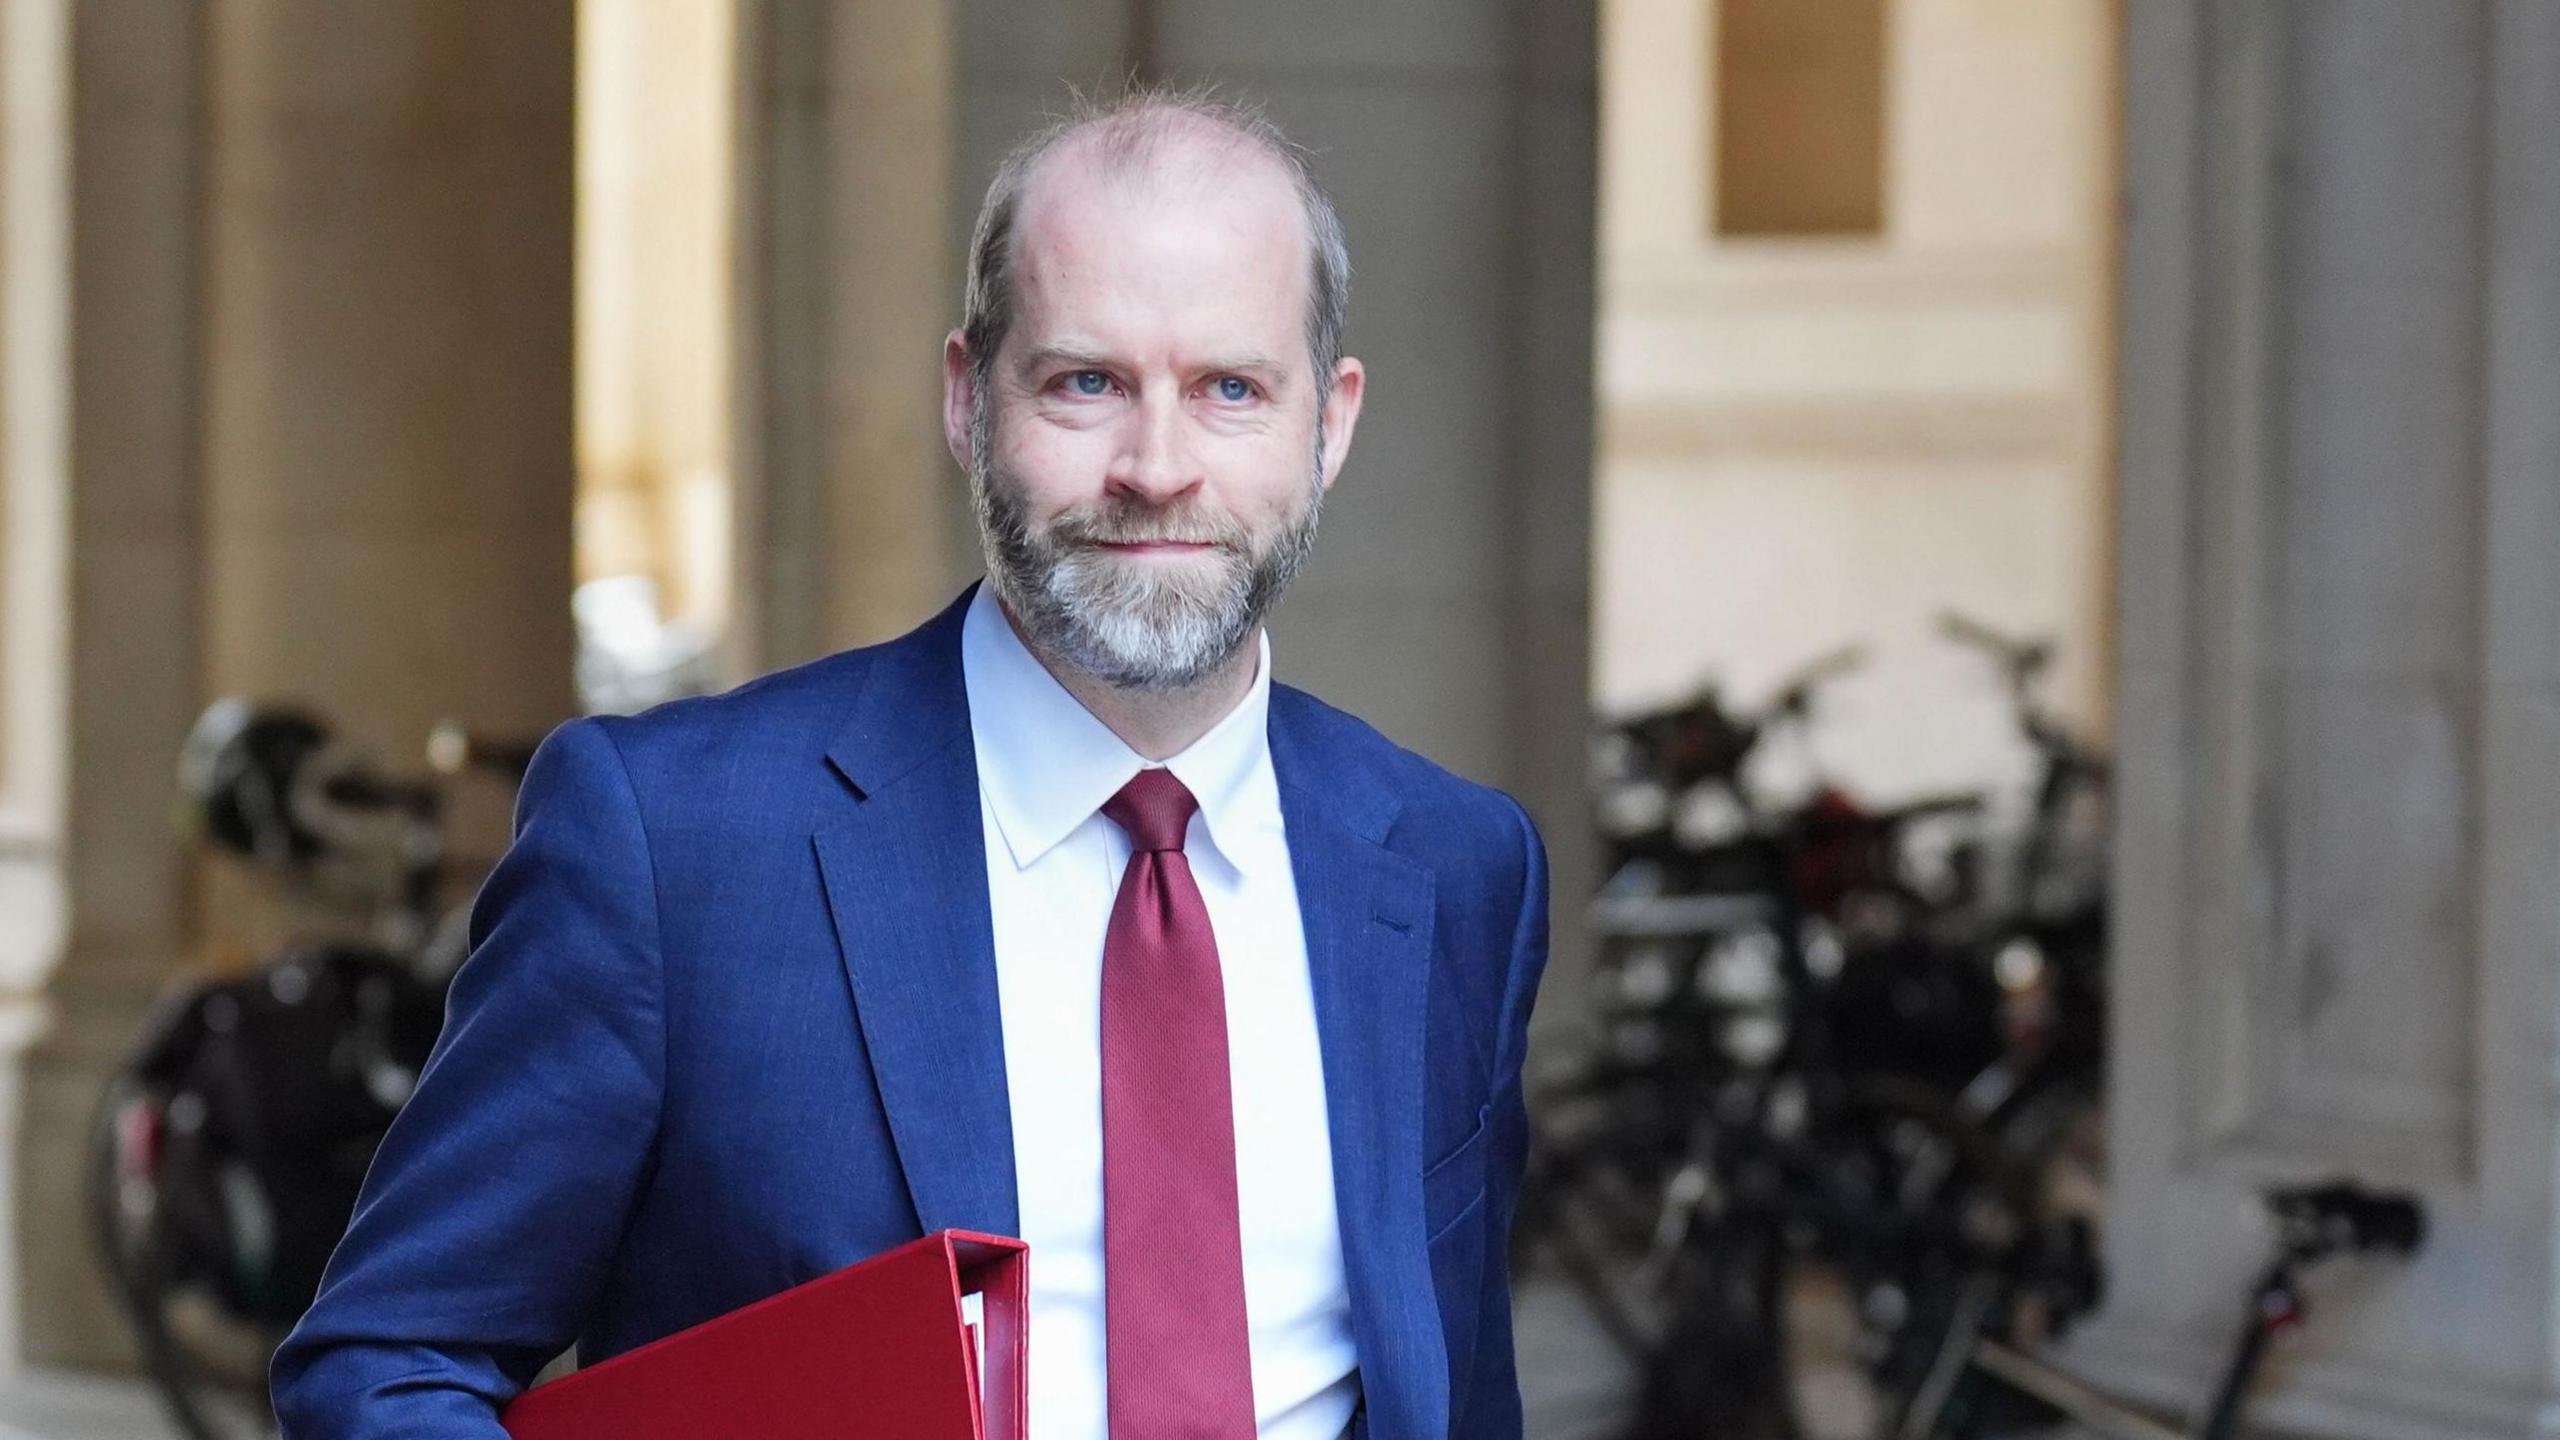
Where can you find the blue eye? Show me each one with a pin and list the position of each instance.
(1089, 382)
(1233, 390)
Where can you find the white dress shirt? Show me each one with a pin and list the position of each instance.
(1045, 767)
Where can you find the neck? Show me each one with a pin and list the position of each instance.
(1158, 724)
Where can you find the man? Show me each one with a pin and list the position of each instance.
(1054, 918)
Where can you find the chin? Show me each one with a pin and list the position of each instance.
(1161, 642)
(1199, 581)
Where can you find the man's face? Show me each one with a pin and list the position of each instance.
(1148, 453)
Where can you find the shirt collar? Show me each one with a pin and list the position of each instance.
(1046, 764)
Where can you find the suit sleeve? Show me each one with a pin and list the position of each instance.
(491, 1213)
(1491, 1407)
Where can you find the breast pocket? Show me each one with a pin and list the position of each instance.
(1453, 1196)
(1453, 1185)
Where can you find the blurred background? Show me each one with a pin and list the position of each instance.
(2011, 546)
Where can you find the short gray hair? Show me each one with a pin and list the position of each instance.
(1130, 126)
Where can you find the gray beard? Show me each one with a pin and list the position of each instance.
(1134, 626)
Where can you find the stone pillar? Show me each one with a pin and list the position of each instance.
(852, 524)
(35, 564)
(387, 359)
(2340, 697)
(126, 675)
(319, 421)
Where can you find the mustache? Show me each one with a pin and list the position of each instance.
(1125, 522)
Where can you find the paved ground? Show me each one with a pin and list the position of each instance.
(77, 1407)
(1571, 1378)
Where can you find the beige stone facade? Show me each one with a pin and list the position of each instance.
(2339, 952)
(1818, 439)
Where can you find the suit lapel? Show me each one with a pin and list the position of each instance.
(1367, 913)
(905, 872)
(906, 882)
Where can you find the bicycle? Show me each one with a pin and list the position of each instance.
(1720, 1140)
(2312, 1224)
(1828, 1085)
(225, 1155)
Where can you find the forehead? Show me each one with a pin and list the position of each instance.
(1200, 250)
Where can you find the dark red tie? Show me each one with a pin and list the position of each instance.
(1180, 1361)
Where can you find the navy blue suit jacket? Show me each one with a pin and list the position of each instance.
(730, 1023)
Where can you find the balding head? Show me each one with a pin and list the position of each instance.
(1152, 141)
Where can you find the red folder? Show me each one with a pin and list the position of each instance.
(882, 1348)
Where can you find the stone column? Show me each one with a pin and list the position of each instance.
(387, 359)
(2340, 697)
(35, 564)
(852, 524)
(125, 675)
(320, 449)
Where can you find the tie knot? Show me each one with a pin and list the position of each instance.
(1153, 810)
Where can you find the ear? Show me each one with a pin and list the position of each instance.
(1341, 413)
(959, 394)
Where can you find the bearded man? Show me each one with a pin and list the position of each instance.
(1054, 918)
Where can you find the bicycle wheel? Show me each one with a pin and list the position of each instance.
(1942, 1230)
(1825, 1267)
(1721, 1366)
(207, 1367)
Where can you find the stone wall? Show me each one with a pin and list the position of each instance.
(2341, 695)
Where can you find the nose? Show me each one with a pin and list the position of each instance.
(1155, 462)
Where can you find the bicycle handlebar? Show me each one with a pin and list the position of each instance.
(2343, 1218)
(454, 748)
(359, 789)
(1797, 693)
(2023, 659)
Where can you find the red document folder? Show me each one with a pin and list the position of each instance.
(882, 1349)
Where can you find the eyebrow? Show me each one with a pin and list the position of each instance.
(1054, 357)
